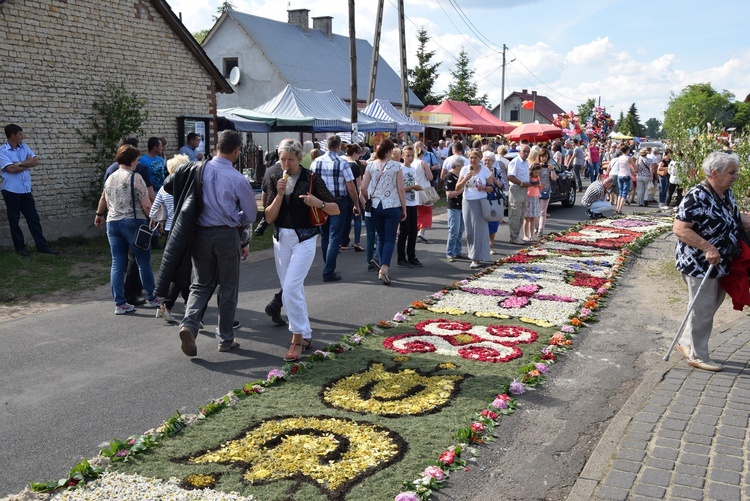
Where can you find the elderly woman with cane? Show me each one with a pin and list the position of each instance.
(707, 225)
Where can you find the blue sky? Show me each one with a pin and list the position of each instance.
(622, 52)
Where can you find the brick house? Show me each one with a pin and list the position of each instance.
(58, 55)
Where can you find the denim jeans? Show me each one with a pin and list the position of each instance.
(663, 186)
(372, 242)
(455, 233)
(623, 183)
(331, 233)
(594, 173)
(356, 223)
(120, 234)
(386, 223)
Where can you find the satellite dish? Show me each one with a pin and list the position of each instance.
(234, 76)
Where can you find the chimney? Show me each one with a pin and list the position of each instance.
(324, 24)
(524, 91)
(300, 17)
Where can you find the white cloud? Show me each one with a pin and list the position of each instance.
(596, 52)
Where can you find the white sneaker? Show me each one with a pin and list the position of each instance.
(123, 309)
(152, 303)
(706, 366)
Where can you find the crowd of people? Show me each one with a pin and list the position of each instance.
(204, 210)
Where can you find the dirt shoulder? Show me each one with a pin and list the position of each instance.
(541, 450)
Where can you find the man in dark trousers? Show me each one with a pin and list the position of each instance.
(15, 161)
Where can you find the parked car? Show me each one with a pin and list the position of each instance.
(564, 189)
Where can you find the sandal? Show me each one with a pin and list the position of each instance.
(291, 356)
(358, 248)
(306, 344)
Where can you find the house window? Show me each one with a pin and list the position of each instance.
(229, 63)
(514, 115)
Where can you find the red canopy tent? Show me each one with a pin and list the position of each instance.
(464, 116)
(535, 132)
(485, 113)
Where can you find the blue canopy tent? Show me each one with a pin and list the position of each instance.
(384, 110)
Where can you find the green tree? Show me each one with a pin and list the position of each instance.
(118, 114)
(463, 87)
(695, 106)
(653, 128)
(226, 5)
(741, 119)
(422, 77)
(200, 35)
(633, 122)
(586, 109)
(619, 122)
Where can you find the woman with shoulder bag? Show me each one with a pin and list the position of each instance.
(383, 187)
(292, 192)
(476, 180)
(127, 203)
(423, 178)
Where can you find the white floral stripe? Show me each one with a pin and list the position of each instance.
(119, 486)
(482, 331)
(460, 302)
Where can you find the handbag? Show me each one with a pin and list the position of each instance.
(429, 195)
(492, 210)
(317, 216)
(143, 234)
(368, 202)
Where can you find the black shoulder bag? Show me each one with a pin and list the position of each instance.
(142, 237)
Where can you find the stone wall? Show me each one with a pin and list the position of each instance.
(57, 56)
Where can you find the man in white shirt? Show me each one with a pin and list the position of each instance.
(458, 151)
(442, 152)
(518, 178)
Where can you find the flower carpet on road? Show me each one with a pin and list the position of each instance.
(392, 410)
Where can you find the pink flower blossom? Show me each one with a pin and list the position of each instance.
(542, 368)
(499, 403)
(407, 496)
(477, 427)
(437, 295)
(399, 317)
(435, 472)
(517, 387)
(131, 441)
(585, 312)
(274, 373)
(601, 290)
(122, 453)
(568, 328)
(464, 282)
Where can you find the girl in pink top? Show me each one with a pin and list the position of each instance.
(533, 209)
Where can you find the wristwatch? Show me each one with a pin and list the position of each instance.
(322, 205)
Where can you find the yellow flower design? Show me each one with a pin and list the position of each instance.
(331, 452)
(200, 481)
(540, 323)
(379, 391)
(401, 358)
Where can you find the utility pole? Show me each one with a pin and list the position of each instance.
(375, 53)
(353, 69)
(533, 113)
(502, 89)
(404, 74)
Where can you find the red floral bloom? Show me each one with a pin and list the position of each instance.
(447, 457)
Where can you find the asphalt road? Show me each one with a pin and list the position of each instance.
(76, 377)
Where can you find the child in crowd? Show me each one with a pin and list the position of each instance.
(533, 209)
(407, 232)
